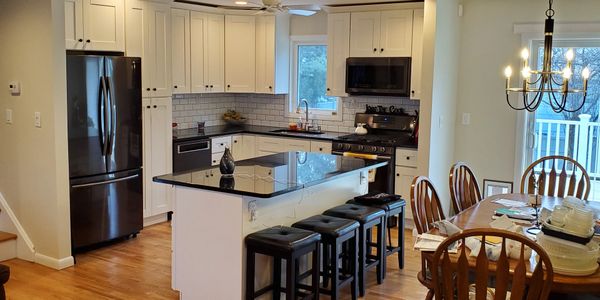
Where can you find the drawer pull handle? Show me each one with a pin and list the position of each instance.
(398, 174)
(408, 158)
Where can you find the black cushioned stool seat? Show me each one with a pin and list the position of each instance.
(392, 209)
(369, 218)
(287, 243)
(335, 233)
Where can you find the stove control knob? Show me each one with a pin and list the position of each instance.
(373, 149)
(382, 149)
(339, 146)
(347, 147)
(361, 148)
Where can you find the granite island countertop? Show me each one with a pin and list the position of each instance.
(272, 175)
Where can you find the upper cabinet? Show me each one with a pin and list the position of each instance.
(208, 52)
(149, 37)
(272, 54)
(338, 49)
(95, 25)
(180, 51)
(417, 55)
(240, 54)
(387, 33)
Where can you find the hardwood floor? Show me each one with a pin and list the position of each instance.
(140, 268)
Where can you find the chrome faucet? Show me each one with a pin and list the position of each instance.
(304, 101)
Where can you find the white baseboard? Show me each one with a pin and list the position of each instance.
(8, 222)
(155, 219)
(54, 263)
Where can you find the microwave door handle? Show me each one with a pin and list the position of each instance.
(104, 111)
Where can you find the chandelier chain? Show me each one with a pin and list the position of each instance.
(550, 11)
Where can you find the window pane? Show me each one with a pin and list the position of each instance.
(312, 77)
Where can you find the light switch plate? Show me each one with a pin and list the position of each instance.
(466, 118)
(38, 119)
(9, 116)
(14, 88)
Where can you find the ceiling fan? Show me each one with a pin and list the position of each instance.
(274, 6)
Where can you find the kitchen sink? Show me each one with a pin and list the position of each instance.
(296, 131)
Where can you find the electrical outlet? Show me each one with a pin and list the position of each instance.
(9, 116)
(466, 119)
(38, 119)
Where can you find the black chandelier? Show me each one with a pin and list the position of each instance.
(536, 83)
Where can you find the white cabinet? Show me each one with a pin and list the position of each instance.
(95, 25)
(386, 34)
(272, 54)
(207, 52)
(240, 54)
(406, 170)
(320, 146)
(157, 135)
(417, 55)
(149, 37)
(180, 51)
(338, 49)
(243, 146)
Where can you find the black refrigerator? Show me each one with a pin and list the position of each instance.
(105, 147)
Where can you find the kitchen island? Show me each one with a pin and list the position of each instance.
(212, 213)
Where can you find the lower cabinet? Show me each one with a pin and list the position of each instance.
(320, 146)
(404, 178)
(158, 157)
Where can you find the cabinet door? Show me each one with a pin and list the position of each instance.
(338, 49)
(197, 40)
(396, 33)
(159, 49)
(74, 24)
(240, 54)
(214, 53)
(365, 34)
(147, 159)
(137, 39)
(249, 142)
(104, 25)
(180, 50)
(161, 153)
(417, 55)
(237, 147)
(320, 146)
(265, 54)
(403, 180)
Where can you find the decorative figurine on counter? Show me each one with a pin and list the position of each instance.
(227, 182)
(227, 165)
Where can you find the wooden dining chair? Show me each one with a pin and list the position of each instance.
(573, 179)
(464, 189)
(454, 277)
(426, 209)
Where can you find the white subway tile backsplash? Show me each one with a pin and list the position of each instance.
(269, 110)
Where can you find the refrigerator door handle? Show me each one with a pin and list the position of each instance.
(113, 116)
(105, 182)
(105, 121)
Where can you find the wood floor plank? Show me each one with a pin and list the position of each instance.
(140, 268)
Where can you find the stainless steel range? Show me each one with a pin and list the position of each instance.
(385, 132)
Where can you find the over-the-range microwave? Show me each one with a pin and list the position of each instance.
(385, 76)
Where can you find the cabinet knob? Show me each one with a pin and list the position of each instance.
(206, 86)
(155, 106)
(175, 86)
(211, 86)
(408, 158)
(80, 40)
(214, 161)
(328, 89)
(88, 41)
(270, 173)
(270, 87)
(148, 89)
(148, 106)
(381, 49)
(374, 49)
(235, 142)
(154, 89)
(398, 174)
(412, 92)
(222, 144)
(320, 149)
(228, 86)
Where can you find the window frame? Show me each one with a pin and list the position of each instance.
(291, 104)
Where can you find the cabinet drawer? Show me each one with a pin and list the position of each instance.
(407, 158)
(321, 147)
(269, 144)
(219, 143)
(216, 158)
(297, 145)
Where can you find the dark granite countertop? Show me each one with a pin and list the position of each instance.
(272, 175)
(182, 135)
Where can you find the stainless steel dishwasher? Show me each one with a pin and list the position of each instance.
(191, 155)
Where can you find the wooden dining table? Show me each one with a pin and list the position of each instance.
(480, 216)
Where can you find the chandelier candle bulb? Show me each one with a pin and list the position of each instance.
(570, 55)
(525, 54)
(585, 73)
(507, 73)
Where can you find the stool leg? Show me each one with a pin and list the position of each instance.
(276, 278)
(335, 270)
(325, 264)
(362, 253)
(250, 266)
(316, 262)
(290, 282)
(401, 239)
(383, 228)
(380, 251)
(353, 257)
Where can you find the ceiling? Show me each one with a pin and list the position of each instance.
(303, 2)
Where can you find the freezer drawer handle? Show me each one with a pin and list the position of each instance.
(106, 182)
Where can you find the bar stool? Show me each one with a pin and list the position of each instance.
(368, 218)
(335, 233)
(392, 209)
(287, 243)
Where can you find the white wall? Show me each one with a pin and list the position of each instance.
(440, 82)
(34, 161)
(487, 45)
(313, 25)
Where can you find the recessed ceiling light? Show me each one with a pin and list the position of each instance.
(241, 2)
